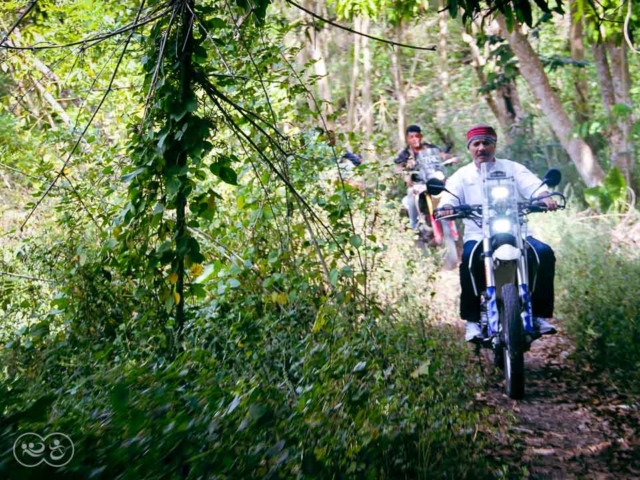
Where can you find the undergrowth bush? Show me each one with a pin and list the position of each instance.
(249, 396)
(274, 375)
(598, 294)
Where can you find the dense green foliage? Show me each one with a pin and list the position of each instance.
(273, 376)
(599, 294)
(286, 360)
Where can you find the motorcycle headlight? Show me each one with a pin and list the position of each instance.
(501, 225)
(499, 193)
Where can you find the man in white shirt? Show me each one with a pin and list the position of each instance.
(466, 183)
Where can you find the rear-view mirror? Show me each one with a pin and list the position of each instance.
(552, 177)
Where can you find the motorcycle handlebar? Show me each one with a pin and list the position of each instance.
(465, 211)
(461, 211)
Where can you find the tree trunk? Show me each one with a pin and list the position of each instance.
(62, 113)
(576, 42)
(622, 156)
(613, 89)
(355, 72)
(535, 76)
(366, 88)
(479, 61)
(443, 15)
(510, 103)
(316, 48)
(398, 82)
(186, 78)
(604, 76)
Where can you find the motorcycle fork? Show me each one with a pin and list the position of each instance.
(453, 230)
(497, 274)
(525, 296)
(437, 229)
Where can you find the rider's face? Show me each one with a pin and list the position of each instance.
(414, 139)
(482, 151)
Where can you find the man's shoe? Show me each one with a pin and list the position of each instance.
(543, 327)
(473, 333)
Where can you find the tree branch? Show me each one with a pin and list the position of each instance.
(19, 21)
(92, 40)
(9, 274)
(377, 39)
(81, 137)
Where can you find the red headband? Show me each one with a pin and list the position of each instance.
(481, 132)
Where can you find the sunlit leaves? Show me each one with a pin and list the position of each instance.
(610, 195)
(513, 10)
(222, 169)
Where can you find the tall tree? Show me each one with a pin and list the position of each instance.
(496, 74)
(443, 63)
(603, 22)
(317, 49)
(367, 101)
(536, 77)
(398, 83)
(352, 117)
(576, 44)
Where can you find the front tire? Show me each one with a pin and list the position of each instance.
(513, 342)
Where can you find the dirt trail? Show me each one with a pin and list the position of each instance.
(571, 423)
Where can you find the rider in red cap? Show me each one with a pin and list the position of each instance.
(481, 132)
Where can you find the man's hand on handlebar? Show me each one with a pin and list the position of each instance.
(444, 211)
(549, 202)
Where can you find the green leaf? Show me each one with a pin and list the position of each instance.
(355, 240)
(206, 274)
(173, 186)
(320, 320)
(228, 175)
(597, 198)
(158, 209)
(423, 369)
(257, 410)
(333, 277)
(360, 366)
(130, 176)
(216, 22)
(615, 184)
(197, 290)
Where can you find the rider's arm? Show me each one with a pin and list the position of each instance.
(402, 157)
(527, 183)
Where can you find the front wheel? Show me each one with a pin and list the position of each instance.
(513, 342)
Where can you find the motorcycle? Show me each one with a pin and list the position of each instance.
(432, 232)
(506, 315)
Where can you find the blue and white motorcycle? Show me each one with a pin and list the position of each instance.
(506, 316)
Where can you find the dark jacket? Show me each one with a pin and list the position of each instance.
(353, 158)
(407, 153)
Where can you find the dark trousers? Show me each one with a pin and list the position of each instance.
(542, 298)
